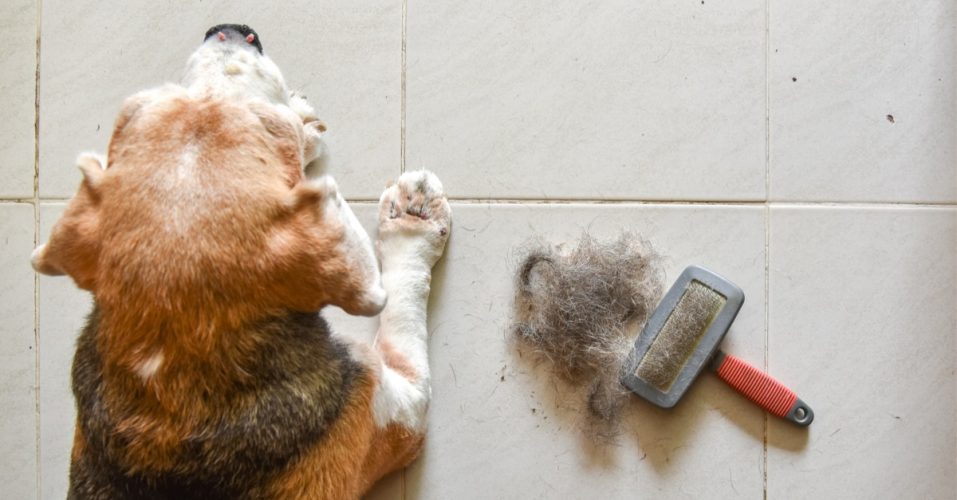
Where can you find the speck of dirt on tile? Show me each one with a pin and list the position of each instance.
(794, 79)
(890, 118)
(533, 411)
(97, 127)
(502, 378)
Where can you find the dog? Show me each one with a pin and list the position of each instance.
(205, 369)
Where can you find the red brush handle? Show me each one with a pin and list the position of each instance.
(763, 389)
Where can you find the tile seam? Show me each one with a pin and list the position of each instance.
(36, 241)
(767, 223)
(753, 203)
(598, 201)
(402, 91)
(402, 142)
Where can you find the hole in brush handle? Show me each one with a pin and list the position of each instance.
(763, 389)
(800, 414)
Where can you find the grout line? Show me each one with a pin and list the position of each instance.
(858, 204)
(596, 201)
(402, 142)
(767, 222)
(36, 241)
(402, 104)
(744, 203)
(767, 331)
(599, 201)
(767, 101)
(405, 488)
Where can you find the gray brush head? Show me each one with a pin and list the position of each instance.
(681, 336)
(674, 344)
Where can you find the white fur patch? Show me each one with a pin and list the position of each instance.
(398, 400)
(407, 252)
(186, 166)
(149, 366)
(217, 68)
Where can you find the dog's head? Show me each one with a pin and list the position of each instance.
(231, 61)
(200, 207)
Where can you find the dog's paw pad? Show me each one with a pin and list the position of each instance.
(416, 205)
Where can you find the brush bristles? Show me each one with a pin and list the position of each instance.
(574, 308)
(678, 337)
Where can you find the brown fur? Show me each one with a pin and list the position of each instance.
(79, 444)
(182, 263)
(395, 360)
(353, 456)
(114, 227)
(237, 442)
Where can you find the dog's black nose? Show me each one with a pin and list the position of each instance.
(235, 32)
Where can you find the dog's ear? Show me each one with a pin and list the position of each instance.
(286, 137)
(340, 267)
(308, 197)
(74, 245)
(133, 104)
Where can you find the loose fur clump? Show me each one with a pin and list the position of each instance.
(580, 311)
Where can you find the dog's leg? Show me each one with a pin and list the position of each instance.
(414, 224)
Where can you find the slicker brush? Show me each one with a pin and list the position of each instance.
(682, 336)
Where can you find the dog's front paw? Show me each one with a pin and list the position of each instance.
(414, 217)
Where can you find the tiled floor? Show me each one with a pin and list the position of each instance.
(806, 150)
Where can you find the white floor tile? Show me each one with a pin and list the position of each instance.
(501, 428)
(862, 101)
(18, 23)
(620, 100)
(863, 323)
(18, 423)
(345, 56)
(599, 100)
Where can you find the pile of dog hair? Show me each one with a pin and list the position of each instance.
(581, 309)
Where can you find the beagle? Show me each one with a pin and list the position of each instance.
(205, 369)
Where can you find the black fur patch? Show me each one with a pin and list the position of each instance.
(303, 380)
